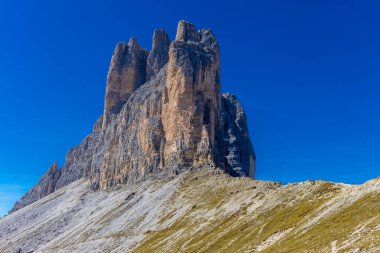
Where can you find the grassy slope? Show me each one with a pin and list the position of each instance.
(216, 213)
(200, 212)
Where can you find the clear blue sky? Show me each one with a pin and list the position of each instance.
(307, 73)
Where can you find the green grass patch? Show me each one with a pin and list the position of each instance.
(338, 227)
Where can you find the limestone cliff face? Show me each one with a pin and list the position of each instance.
(126, 74)
(192, 100)
(131, 147)
(158, 56)
(163, 114)
(238, 150)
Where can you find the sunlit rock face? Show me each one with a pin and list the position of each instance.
(163, 114)
(125, 75)
(192, 101)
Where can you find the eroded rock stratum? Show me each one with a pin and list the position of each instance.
(163, 114)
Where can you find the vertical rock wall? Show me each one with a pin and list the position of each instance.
(126, 74)
(158, 56)
(191, 99)
(238, 150)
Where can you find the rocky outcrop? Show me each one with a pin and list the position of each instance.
(126, 74)
(191, 100)
(238, 148)
(44, 187)
(163, 114)
(131, 147)
(159, 55)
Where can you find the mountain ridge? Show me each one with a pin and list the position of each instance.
(190, 212)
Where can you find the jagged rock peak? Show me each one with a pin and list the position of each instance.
(159, 54)
(53, 169)
(133, 44)
(126, 74)
(186, 32)
(160, 39)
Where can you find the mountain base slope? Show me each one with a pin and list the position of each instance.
(205, 211)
